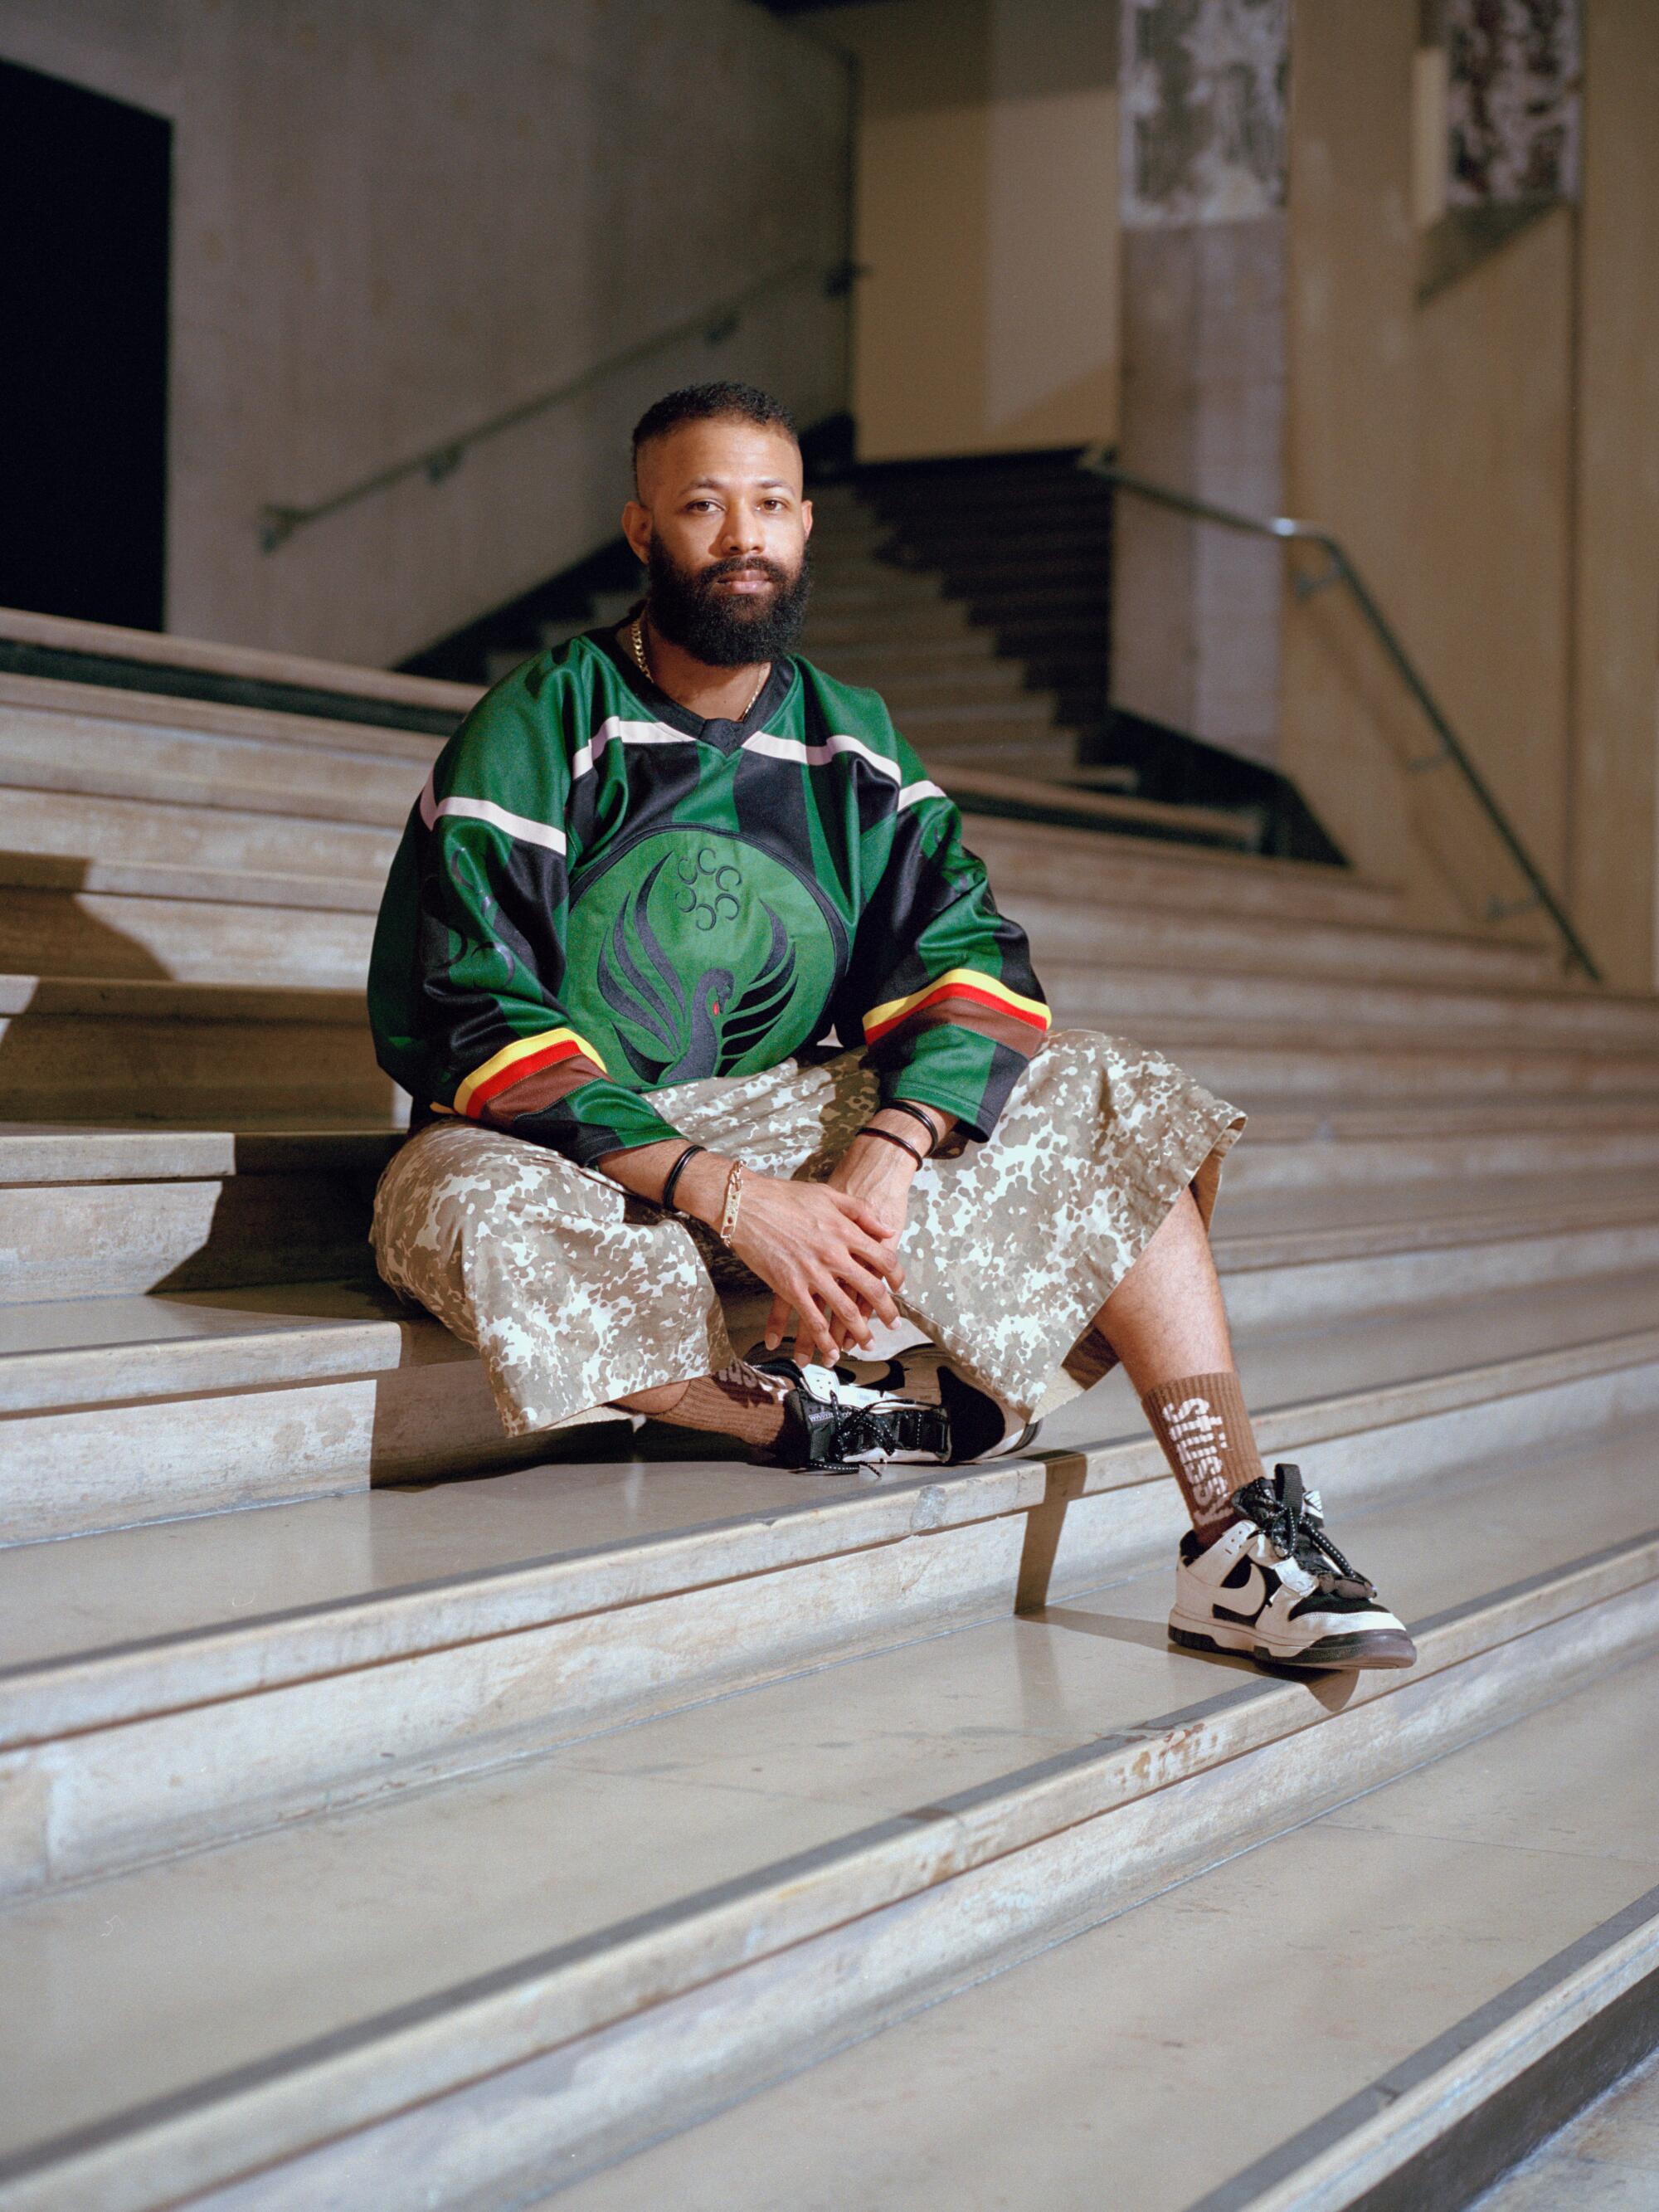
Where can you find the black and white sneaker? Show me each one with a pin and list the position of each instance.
(982, 1425)
(1275, 1587)
(833, 1425)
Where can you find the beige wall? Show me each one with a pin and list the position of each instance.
(986, 194)
(1514, 554)
(1613, 817)
(393, 218)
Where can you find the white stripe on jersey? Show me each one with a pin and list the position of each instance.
(613, 731)
(484, 810)
(792, 748)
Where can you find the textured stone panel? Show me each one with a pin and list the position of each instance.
(1204, 90)
(1512, 101)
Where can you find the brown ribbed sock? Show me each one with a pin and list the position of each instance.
(1203, 1427)
(737, 1402)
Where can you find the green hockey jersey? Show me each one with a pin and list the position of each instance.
(598, 895)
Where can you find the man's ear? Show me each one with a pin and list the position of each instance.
(805, 518)
(636, 528)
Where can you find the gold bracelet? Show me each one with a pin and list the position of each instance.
(733, 1200)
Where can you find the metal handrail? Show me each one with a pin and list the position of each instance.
(277, 524)
(1343, 571)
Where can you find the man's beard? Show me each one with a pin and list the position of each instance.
(717, 628)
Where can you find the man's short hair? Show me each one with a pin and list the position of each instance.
(720, 402)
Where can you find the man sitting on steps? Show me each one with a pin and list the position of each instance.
(648, 876)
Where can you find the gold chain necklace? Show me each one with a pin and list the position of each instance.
(636, 639)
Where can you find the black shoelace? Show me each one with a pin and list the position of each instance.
(1282, 1510)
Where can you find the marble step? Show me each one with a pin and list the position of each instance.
(849, 587)
(1289, 1148)
(178, 1682)
(938, 620)
(210, 1209)
(190, 824)
(1048, 756)
(64, 917)
(973, 682)
(986, 776)
(124, 774)
(1359, 1148)
(80, 723)
(251, 664)
(107, 918)
(871, 661)
(83, 1049)
(68, 916)
(108, 811)
(1027, 714)
(1033, 857)
(1350, 1062)
(88, 1212)
(1090, 923)
(1609, 2146)
(847, 1844)
(1414, 2054)
(1110, 992)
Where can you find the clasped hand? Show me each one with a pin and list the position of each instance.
(828, 1250)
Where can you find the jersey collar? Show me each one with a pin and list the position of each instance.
(715, 730)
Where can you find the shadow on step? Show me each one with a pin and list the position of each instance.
(46, 930)
(271, 1225)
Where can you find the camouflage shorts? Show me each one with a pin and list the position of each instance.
(576, 1294)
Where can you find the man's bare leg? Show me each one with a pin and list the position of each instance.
(1167, 1323)
(1166, 1318)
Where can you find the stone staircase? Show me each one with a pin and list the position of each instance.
(390, 1817)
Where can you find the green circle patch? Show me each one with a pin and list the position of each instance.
(695, 953)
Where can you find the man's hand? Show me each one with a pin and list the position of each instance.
(878, 1177)
(824, 1254)
(829, 1251)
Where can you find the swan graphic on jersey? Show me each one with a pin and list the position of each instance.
(708, 958)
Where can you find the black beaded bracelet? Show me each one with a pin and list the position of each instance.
(935, 1135)
(903, 1143)
(672, 1183)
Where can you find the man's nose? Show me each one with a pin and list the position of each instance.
(742, 533)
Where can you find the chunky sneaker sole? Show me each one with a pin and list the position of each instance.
(1274, 1588)
(1348, 1649)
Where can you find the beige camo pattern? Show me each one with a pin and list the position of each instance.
(576, 1294)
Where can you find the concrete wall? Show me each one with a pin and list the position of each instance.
(1195, 608)
(987, 223)
(1489, 456)
(393, 218)
(1613, 802)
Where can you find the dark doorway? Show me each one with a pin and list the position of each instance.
(85, 204)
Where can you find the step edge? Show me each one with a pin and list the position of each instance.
(1340, 2159)
(181, 715)
(95, 1689)
(111, 1686)
(577, 1989)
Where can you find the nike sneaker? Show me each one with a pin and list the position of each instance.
(982, 1425)
(835, 1425)
(1275, 1587)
